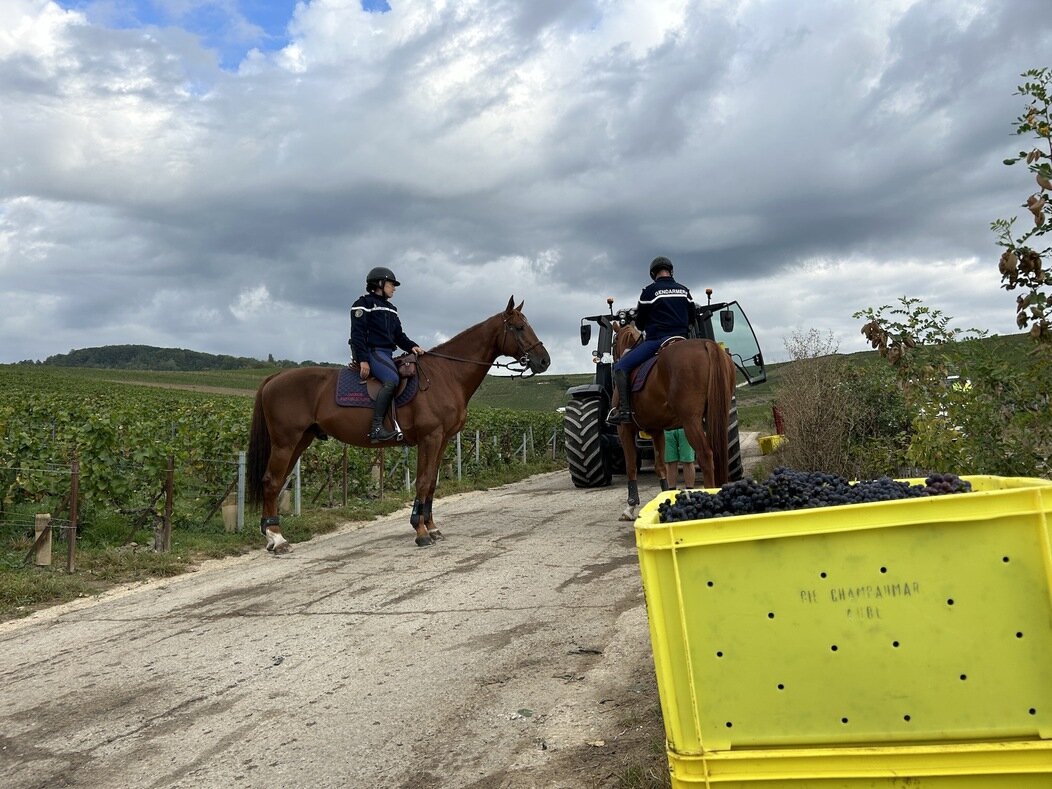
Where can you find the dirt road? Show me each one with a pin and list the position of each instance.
(513, 654)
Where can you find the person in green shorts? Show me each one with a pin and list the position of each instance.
(679, 451)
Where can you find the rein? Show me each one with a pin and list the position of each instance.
(519, 367)
(520, 370)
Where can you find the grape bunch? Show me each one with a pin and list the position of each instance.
(785, 489)
(937, 484)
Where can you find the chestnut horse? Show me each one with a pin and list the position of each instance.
(690, 386)
(293, 407)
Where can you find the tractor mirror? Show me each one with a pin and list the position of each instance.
(586, 334)
(727, 320)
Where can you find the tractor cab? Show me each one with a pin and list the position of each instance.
(727, 324)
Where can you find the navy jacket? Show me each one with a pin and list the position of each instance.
(665, 309)
(375, 324)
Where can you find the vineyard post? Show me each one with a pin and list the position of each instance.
(169, 499)
(42, 546)
(532, 447)
(296, 492)
(241, 468)
(458, 458)
(382, 470)
(477, 440)
(524, 449)
(74, 497)
(553, 443)
(343, 471)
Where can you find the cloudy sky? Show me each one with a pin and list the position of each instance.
(219, 175)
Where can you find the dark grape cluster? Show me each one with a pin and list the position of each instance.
(785, 489)
(938, 484)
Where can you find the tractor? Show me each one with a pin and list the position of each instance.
(593, 449)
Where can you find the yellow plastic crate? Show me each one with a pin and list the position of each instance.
(770, 444)
(1000, 765)
(879, 625)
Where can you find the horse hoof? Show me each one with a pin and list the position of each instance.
(424, 542)
(436, 535)
(281, 550)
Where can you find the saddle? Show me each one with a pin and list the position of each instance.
(638, 376)
(353, 392)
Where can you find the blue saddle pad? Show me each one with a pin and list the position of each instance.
(352, 392)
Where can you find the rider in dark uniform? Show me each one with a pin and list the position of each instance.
(376, 331)
(665, 310)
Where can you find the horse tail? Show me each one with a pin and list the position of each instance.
(258, 450)
(718, 408)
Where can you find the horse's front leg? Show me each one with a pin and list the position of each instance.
(627, 433)
(428, 456)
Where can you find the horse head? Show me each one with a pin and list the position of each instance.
(519, 341)
(626, 337)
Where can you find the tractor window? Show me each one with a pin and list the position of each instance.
(741, 342)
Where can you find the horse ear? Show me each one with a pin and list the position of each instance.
(519, 308)
(511, 304)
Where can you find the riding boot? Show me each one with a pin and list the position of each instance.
(379, 433)
(623, 413)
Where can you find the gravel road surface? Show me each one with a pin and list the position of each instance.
(515, 653)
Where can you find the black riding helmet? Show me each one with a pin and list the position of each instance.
(378, 275)
(660, 263)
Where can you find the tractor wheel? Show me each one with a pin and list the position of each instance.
(734, 450)
(582, 427)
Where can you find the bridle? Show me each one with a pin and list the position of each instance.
(519, 368)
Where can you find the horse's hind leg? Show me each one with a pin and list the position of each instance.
(698, 439)
(660, 467)
(282, 461)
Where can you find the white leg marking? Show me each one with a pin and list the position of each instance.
(281, 545)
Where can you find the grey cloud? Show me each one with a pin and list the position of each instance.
(741, 144)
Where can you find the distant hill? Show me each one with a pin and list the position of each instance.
(147, 357)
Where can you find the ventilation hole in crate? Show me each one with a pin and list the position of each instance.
(834, 648)
(895, 644)
(964, 677)
(781, 686)
(822, 575)
(1005, 559)
(883, 569)
(770, 615)
(843, 720)
(729, 725)
(1018, 635)
(719, 654)
(710, 583)
(950, 601)
(906, 718)
(1032, 711)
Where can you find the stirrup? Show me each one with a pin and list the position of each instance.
(618, 417)
(380, 434)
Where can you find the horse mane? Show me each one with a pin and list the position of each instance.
(627, 336)
(458, 338)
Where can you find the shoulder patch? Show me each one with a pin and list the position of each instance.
(359, 312)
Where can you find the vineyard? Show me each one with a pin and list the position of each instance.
(103, 453)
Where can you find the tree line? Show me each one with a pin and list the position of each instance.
(148, 357)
